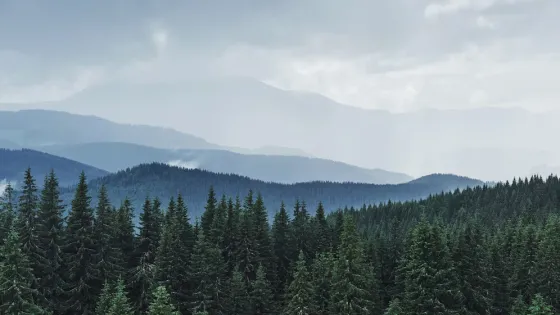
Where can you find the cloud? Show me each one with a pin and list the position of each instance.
(184, 164)
(399, 55)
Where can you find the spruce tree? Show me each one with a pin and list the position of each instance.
(26, 223)
(299, 298)
(281, 245)
(161, 303)
(124, 238)
(321, 271)
(431, 284)
(207, 273)
(231, 235)
(246, 255)
(394, 308)
(120, 304)
(105, 299)
(143, 278)
(261, 294)
(354, 288)
(209, 211)
(238, 300)
(301, 231)
(519, 307)
(546, 276)
(80, 253)
(7, 212)
(107, 257)
(50, 235)
(218, 223)
(16, 278)
(321, 231)
(261, 236)
(539, 306)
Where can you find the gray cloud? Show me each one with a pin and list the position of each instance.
(398, 55)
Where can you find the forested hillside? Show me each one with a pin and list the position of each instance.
(480, 251)
(164, 181)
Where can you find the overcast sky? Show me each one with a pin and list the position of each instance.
(398, 55)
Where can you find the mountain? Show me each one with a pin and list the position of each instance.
(13, 164)
(164, 181)
(114, 156)
(485, 143)
(452, 181)
(30, 128)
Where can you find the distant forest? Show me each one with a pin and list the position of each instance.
(485, 250)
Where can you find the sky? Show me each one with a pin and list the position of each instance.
(398, 55)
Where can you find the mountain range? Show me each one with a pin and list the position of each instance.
(486, 143)
(112, 147)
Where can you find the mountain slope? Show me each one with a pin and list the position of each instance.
(30, 128)
(113, 156)
(247, 113)
(163, 181)
(13, 164)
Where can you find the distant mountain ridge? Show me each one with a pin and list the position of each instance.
(113, 156)
(13, 164)
(485, 143)
(164, 181)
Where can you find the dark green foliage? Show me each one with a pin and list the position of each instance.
(431, 285)
(50, 240)
(207, 275)
(209, 211)
(16, 279)
(321, 272)
(281, 245)
(238, 300)
(26, 224)
(80, 253)
(161, 303)
(143, 277)
(7, 212)
(120, 304)
(261, 294)
(466, 252)
(395, 308)
(299, 298)
(539, 306)
(354, 287)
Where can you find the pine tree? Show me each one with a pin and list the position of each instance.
(281, 244)
(161, 303)
(246, 255)
(79, 253)
(546, 275)
(321, 271)
(107, 257)
(499, 278)
(238, 300)
(16, 278)
(231, 235)
(50, 235)
(299, 298)
(124, 238)
(173, 255)
(120, 304)
(431, 285)
(7, 212)
(354, 288)
(301, 235)
(209, 211)
(207, 273)
(143, 278)
(519, 307)
(261, 294)
(261, 235)
(218, 223)
(539, 306)
(105, 299)
(472, 270)
(26, 223)
(394, 308)
(322, 234)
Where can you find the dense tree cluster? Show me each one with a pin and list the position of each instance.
(479, 251)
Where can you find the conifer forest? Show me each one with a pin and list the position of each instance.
(492, 250)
